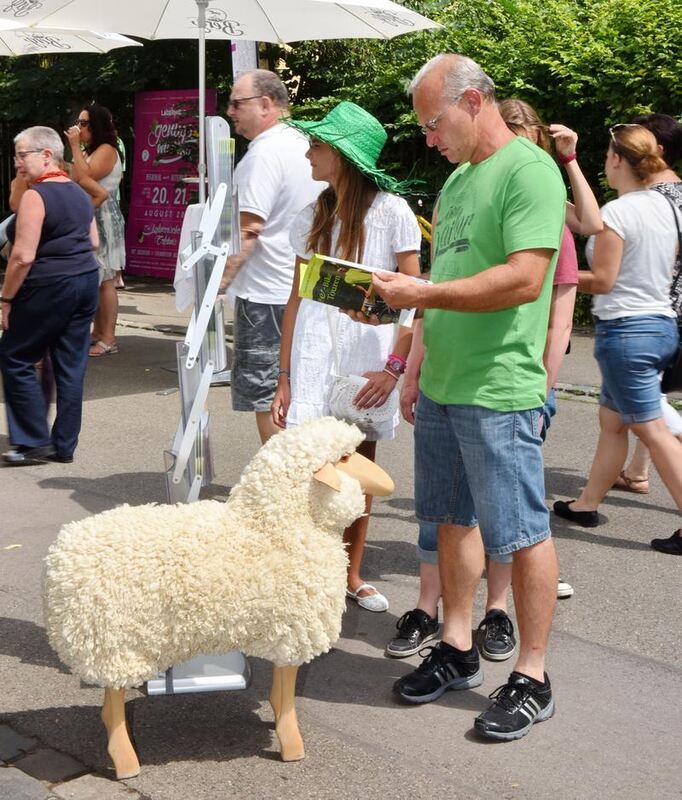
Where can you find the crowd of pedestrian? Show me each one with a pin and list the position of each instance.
(479, 365)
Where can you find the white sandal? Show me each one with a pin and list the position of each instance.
(371, 602)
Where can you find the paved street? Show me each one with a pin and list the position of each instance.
(614, 661)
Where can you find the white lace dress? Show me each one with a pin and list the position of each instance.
(390, 228)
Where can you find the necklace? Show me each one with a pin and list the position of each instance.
(58, 173)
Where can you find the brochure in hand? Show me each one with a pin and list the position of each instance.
(345, 284)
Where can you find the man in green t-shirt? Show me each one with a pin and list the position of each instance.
(478, 458)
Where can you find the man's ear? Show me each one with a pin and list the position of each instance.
(473, 99)
(329, 476)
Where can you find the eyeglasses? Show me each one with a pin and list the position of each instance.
(21, 155)
(432, 124)
(236, 101)
(83, 123)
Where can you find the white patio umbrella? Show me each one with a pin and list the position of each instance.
(249, 20)
(30, 41)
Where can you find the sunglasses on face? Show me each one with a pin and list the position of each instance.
(235, 102)
(83, 123)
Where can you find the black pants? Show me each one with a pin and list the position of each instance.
(53, 317)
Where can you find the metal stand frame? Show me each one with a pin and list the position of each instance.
(202, 362)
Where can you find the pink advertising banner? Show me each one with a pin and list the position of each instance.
(166, 152)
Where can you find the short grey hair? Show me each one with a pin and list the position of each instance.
(269, 85)
(41, 138)
(460, 73)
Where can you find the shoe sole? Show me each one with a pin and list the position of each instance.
(456, 684)
(495, 656)
(564, 593)
(405, 653)
(505, 736)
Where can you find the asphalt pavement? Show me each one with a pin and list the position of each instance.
(614, 657)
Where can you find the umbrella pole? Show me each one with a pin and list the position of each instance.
(201, 7)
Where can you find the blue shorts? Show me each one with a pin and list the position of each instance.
(475, 466)
(257, 331)
(427, 546)
(631, 352)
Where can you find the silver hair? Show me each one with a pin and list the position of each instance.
(270, 85)
(41, 138)
(461, 72)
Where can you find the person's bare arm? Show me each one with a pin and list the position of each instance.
(94, 234)
(282, 399)
(559, 330)
(30, 217)
(519, 280)
(582, 215)
(16, 191)
(250, 227)
(97, 166)
(97, 193)
(608, 253)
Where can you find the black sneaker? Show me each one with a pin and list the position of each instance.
(672, 545)
(495, 636)
(443, 668)
(520, 703)
(415, 628)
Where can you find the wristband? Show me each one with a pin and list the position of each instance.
(396, 363)
(284, 372)
(392, 374)
(566, 159)
(6, 300)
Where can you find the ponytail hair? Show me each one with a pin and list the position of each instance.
(668, 133)
(638, 146)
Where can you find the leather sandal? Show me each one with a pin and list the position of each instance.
(626, 484)
(101, 348)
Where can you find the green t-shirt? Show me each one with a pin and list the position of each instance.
(514, 200)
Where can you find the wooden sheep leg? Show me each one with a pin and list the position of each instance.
(282, 699)
(276, 691)
(120, 747)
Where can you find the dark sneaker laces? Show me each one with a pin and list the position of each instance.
(409, 623)
(511, 696)
(497, 626)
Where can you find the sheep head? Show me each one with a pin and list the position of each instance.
(306, 471)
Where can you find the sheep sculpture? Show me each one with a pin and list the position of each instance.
(132, 591)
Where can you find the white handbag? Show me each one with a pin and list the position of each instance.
(345, 387)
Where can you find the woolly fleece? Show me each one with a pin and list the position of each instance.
(132, 591)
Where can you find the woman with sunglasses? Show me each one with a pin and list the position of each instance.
(49, 297)
(357, 218)
(636, 329)
(100, 160)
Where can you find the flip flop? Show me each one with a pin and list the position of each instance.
(101, 348)
(626, 484)
(371, 602)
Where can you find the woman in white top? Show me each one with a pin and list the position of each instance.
(636, 329)
(356, 220)
(101, 162)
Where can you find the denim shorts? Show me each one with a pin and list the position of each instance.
(631, 352)
(427, 546)
(257, 333)
(476, 466)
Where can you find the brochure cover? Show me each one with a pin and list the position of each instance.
(345, 284)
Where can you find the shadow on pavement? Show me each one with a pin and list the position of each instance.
(27, 641)
(97, 494)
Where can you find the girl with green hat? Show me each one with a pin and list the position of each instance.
(357, 218)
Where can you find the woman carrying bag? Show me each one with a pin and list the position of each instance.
(357, 218)
(636, 327)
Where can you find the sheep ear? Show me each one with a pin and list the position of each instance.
(329, 476)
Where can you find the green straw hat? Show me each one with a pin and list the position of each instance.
(358, 136)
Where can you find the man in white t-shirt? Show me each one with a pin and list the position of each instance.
(274, 183)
